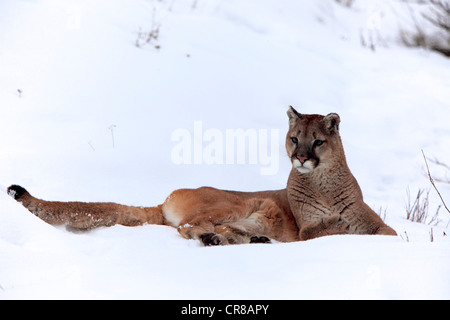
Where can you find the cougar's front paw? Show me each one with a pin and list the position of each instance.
(332, 221)
(335, 225)
(210, 239)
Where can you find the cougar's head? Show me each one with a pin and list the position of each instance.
(312, 140)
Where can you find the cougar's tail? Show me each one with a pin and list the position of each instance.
(82, 215)
(16, 191)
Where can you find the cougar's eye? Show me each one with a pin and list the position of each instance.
(294, 140)
(318, 143)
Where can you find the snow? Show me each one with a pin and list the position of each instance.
(95, 115)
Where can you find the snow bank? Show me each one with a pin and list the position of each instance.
(154, 262)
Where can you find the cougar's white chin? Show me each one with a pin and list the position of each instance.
(302, 168)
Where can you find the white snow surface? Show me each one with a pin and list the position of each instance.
(70, 70)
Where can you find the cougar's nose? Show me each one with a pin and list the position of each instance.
(302, 159)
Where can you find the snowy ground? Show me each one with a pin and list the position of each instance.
(87, 115)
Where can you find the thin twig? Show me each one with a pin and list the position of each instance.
(432, 182)
(437, 162)
(111, 127)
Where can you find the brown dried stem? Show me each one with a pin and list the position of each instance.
(432, 182)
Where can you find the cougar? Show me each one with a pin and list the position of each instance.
(322, 198)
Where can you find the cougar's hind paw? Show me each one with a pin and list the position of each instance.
(210, 239)
(256, 239)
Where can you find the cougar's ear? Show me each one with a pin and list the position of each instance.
(331, 122)
(293, 115)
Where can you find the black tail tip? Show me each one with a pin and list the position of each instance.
(16, 191)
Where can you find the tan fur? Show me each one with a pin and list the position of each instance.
(233, 217)
(207, 214)
(324, 199)
(82, 215)
(323, 195)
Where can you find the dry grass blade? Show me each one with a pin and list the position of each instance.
(432, 182)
